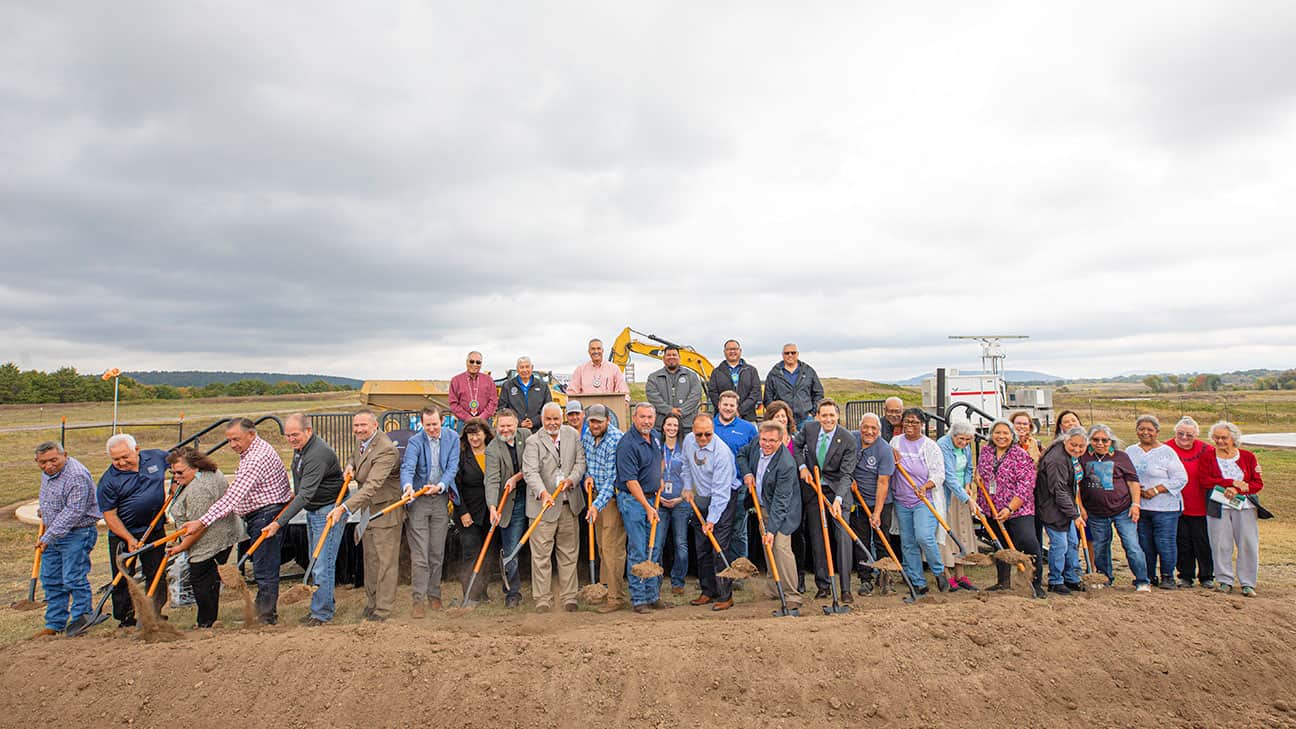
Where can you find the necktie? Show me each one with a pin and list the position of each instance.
(823, 447)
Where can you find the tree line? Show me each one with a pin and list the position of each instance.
(67, 385)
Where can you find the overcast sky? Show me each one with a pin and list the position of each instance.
(373, 189)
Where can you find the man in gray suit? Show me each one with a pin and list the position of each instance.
(504, 464)
(674, 389)
(768, 467)
(376, 479)
(551, 458)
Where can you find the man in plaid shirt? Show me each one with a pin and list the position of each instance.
(69, 511)
(600, 444)
(258, 493)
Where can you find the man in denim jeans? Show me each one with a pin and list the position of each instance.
(317, 475)
(69, 512)
(1110, 495)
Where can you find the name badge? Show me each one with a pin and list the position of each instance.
(668, 489)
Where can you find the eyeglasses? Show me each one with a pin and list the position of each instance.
(700, 436)
(787, 353)
(474, 361)
(911, 422)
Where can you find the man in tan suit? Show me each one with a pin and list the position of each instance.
(376, 469)
(551, 457)
(503, 462)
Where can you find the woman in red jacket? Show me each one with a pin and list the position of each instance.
(1234, 523)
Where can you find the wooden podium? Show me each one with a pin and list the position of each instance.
(617, 407)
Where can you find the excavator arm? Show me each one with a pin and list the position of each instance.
(626, 343)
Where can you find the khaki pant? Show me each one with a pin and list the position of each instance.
(381, 568)
(559, 536)
(612, 550)
(785, 560)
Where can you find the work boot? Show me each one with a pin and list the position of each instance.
(1075, 586)
(1060, 589)
(418, 610)
(662, 605)
(44, 633)
(610, 606)
(512, 601)
(434, 603)
(677, 591)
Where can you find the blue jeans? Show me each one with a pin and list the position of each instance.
(509, 538)
(1101, 529)
(65, 577)
(677, 519)
(266, 561)
(738, 540)
(1158, 533)
(918, 538)
(642, 592)
(321, 607)
(1063, 555)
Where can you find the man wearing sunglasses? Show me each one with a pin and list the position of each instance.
(472, 394)
(709, 473)
(795, 383)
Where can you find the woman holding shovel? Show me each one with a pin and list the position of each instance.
(473, 512)
(1056, 511)
(956, 447)
(1009, 477)
(921, 458)
(203, 485)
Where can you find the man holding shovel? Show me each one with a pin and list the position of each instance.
(375, 469)
(873, 471)
(639, 476)
(318, 478)
(258, 493)
(69, 512)
(553, 463)
(708, 475)
(772, 471)
(130, 492)
(822, 444)
(600, 443)
(503, 462)
(432, 460)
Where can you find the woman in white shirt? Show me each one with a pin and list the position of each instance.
(1162, 477)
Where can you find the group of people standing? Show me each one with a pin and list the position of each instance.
(533, 470)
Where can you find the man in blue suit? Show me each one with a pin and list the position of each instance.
(431, 459)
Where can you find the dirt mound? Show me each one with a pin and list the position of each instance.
(982, 661)
(741, 569)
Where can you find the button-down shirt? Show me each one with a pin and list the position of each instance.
(261, 480)
(601, 462)
(605, 379)
(639, 460)
(709, 473)
(761, 467)
(67, 501)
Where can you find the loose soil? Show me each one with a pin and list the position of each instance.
(972, 660)
(740, 569)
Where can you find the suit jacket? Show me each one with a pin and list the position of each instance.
(780, 499)
(838, 467)
(377, 482)
(416, 465)
(543, 466)
(499, 468)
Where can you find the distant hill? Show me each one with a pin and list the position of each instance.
(1015, 376)
(195, 378)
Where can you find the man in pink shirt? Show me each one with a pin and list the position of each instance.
(597, 376)
(472, 394)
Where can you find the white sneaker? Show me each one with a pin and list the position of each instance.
(1143, 588)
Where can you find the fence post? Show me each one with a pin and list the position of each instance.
(63, 432)
(180, 435)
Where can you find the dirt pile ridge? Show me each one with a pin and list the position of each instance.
(1116, 659)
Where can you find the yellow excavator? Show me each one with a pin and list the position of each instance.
(626, 343)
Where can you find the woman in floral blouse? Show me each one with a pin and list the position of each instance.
(1009, 475)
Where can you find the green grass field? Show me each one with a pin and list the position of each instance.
(21, 427)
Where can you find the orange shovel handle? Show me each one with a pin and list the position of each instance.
(262, 537)
(652, 533)
(922, 494)
(508, 487)
(328, 523)
(714, 544)
(157, 577)
(1002, 527)
(823, 524)
(869, 513)
(543, 508)
(760, 521)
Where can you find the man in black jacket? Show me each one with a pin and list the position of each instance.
(525, 395)
(795, 383)
(834, 451)
(735, 374)
(317, 476)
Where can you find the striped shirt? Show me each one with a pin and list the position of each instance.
(600, 463)
(261, 480)
(67, 501)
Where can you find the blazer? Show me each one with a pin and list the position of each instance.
(838, 467)
(499, 468)
(780, 499)
(376, 482)
(543, 466)
(416, 465)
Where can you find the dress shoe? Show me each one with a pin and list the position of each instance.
(44, 632)
(723, 605)
(701, 600)
(571, 607)
(512, 601)
(847, 598)
(677, 591)
(999, 587)
(660, 605)
(922, 590)
(418, 610)
(1075, 586)
(1060, 589)
(822, 593)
